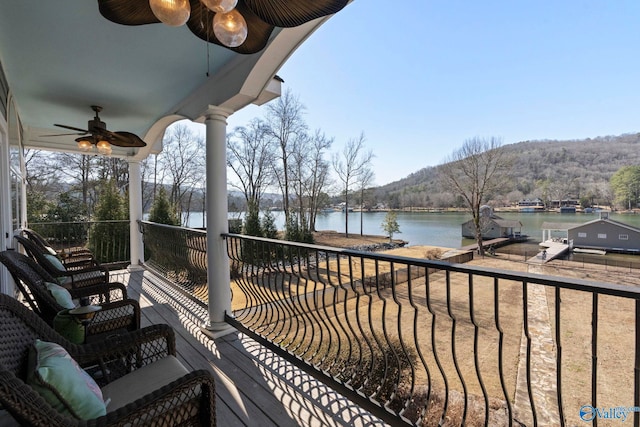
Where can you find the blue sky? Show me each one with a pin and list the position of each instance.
(420, 77)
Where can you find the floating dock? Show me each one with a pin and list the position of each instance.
(551, 250)
(501, 241)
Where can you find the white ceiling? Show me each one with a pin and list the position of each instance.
(61, 56)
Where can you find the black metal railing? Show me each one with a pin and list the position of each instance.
(109, 241)
(178, 254)
(431, 343)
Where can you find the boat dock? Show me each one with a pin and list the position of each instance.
(501, 241)
(552, 251)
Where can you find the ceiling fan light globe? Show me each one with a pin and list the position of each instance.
(84, 145)
(230, 28)
(220, 6)
(171, 12)
(104, 147)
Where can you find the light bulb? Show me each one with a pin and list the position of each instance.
(84, 144)
(220, 6)
(104, 147)
(230, 28)
(171, 12)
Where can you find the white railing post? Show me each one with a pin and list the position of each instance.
(218, 277)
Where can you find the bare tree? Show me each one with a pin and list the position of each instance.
(474, 172)
(366, 179)
(79, 168)
(250, 157)
(285, 125)
(148, 175)
(309, 176)
(298, 181)
(350, 165)
(183, 161)
(112, 168)
(41, 172)
(319, 174)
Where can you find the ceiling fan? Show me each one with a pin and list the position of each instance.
(98, 135)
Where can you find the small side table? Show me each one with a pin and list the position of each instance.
(84, 315)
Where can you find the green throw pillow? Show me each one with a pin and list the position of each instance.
(60, 381)
(61, 295)
(56, 262)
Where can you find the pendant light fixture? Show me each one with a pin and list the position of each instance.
(171, 12)
(244, 26)
(230, 28)
(220, 6)
(86, 144)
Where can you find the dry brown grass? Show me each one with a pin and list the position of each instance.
(615, 336)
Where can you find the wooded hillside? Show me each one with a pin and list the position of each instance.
(546, 169)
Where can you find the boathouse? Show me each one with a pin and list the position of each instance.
(493, 226)
(606, 234)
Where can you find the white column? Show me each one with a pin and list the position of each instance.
(135, 214)
(218, 278)
(6, 232)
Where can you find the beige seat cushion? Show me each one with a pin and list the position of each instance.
(142, 381)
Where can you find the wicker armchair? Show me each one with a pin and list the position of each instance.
(184, 399)
(76, 274)
(70, 256)
(118, 312)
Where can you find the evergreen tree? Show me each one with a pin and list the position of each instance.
(162, 212)
(295, 233)
(390, 224)
(67, 214)
(268, 226)
(251, 225)
(38, 207)
(109, 241)
(292, 230)
(252, 251)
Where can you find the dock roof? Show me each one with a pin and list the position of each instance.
(558, 225)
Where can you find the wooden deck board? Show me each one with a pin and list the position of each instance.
(254, 386)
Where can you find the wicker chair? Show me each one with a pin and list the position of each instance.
(72, 256)
(76, 274)
(118, 312)
(185, 399)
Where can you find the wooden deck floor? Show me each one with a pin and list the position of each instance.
(254, 386)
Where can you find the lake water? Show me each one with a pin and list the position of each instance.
(435, 229)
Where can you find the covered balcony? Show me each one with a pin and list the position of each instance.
(301, 334)
(330, 336)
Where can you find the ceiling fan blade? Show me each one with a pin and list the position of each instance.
(98, 131)
(126, 139)
(72, 128)
(65, 134)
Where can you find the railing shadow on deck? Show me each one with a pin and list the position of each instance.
(425, 342)
(254, 386)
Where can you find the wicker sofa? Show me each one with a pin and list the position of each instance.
(137, 373)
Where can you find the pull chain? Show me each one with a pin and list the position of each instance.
(207, 28)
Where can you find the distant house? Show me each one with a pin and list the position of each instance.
(531, 205)
(564, 202)
(493, 226)
(605, 233)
